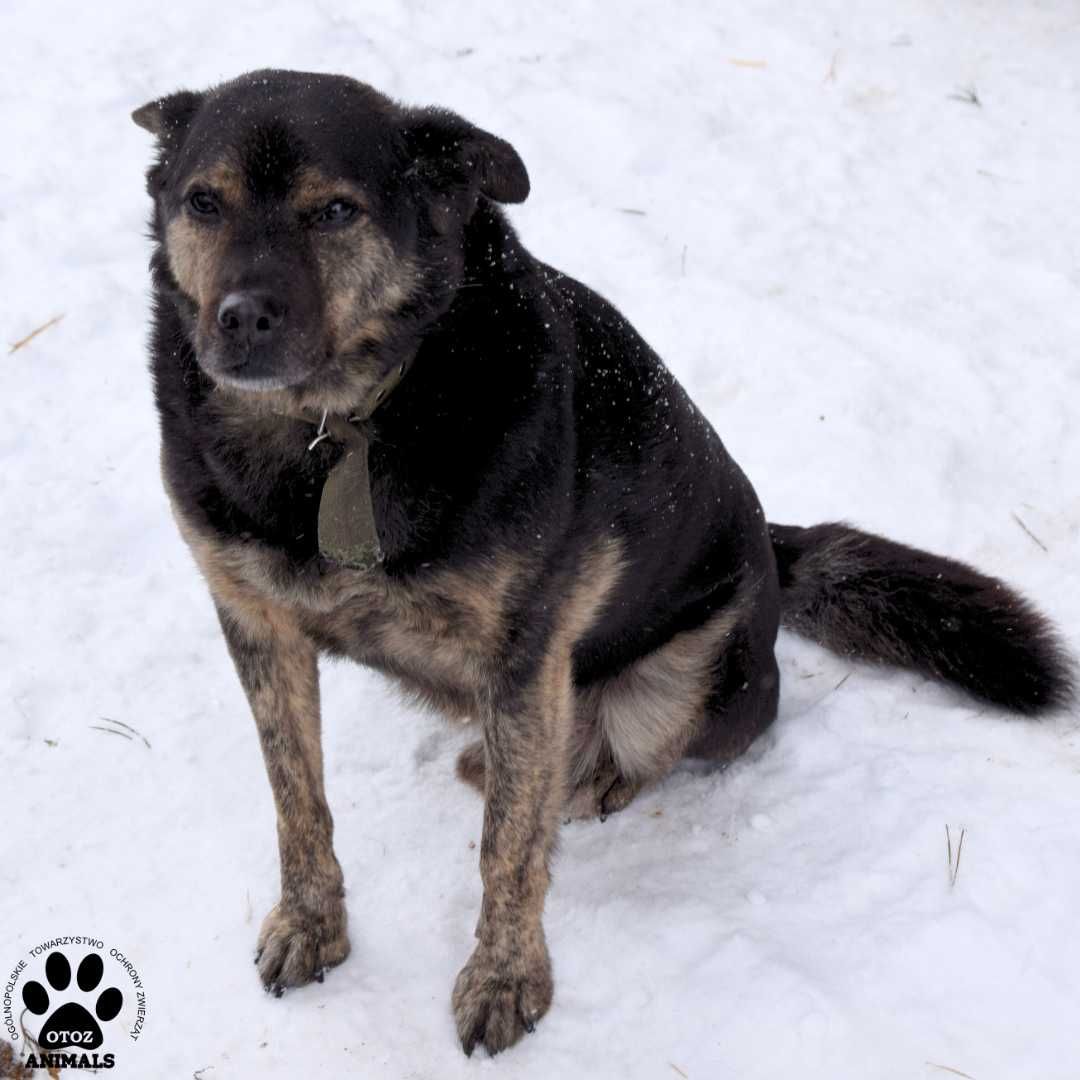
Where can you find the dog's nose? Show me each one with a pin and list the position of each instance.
(253, 316)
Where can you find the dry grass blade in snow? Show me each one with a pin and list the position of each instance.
(34, 333)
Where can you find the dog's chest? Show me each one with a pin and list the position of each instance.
(440, 628)
(443, 631)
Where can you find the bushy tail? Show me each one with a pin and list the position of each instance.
(863, 596)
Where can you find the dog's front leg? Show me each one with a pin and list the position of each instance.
(305, 932)
(507, 986)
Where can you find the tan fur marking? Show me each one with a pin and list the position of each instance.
(195, 253)
(314, 189)
(224, 180)
(648, 714)
(446, 628)
(195, 250)
(453, 623)
(362, 279)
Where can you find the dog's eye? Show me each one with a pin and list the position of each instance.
(334, 215)
(202, 203)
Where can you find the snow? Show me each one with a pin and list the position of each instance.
(868, 284)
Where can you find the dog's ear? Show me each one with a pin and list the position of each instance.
(168, 116)
(451, 154)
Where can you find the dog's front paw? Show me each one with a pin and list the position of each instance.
(297, 945)
(499, 997)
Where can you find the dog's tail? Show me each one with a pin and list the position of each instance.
(863, 596)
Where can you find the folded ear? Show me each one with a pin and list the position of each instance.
(168, 115)
(449, 152)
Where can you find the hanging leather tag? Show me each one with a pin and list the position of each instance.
(347, 532)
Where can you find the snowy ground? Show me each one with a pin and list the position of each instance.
(868, 283)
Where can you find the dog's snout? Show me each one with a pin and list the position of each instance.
(254, 316)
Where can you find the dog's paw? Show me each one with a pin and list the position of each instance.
(617, 795)
(602, 795)
(296, 945)
(497, 998)
(471, 766)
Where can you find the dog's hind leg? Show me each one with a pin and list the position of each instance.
(304, 934)
(635, 726)
(744, 686)
(707, 692)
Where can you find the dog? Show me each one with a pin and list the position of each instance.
(389, 433)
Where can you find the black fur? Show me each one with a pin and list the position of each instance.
(873, 599)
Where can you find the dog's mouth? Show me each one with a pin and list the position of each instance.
(250, 343)
(259, 369)
(253, 342)
(315, 380)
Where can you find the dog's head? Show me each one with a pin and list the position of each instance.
(302, 218)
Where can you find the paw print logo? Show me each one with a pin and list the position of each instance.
(71, 1024)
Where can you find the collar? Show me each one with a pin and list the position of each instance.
(346, 428)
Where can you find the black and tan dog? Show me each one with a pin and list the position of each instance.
(390, 433)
